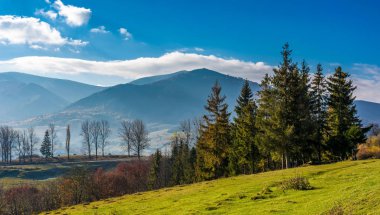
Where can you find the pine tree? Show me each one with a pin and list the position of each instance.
(285, 87)
(244, 152)
(214, 141)
(319, 109)
(342, 119)
(155, 171)
(303, 115)
(46, 146)
(284, 113)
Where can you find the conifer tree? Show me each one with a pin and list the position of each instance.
(267, 128)
(155, 171)
(244, 152)
(319, 109)
(46, 146)
(342, 120)
(284, 114)
(214, 141)
(285, 86)
(303, 115)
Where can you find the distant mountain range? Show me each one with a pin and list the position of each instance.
(159, 99)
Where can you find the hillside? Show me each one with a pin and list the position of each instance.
(349, 187)
(21, 100)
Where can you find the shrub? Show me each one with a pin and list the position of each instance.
(368, 152)
(296, 183)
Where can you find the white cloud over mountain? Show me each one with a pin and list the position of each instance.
(31, 31)
(137, 68)
(368, 82)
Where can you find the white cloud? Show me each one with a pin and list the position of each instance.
(47, 14)
(16, 30)
(367, 80)
(100, 29)
(74, 16)
(37, 47)
(124, 32)
(137, 68)
(199, 49)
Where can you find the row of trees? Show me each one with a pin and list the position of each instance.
(95, 138)
(294, 120)
(20, 142)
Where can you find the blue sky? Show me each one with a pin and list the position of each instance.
(132, 39)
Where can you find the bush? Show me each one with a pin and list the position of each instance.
(296, 183)
(368, 152)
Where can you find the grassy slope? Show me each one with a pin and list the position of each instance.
(353, 185)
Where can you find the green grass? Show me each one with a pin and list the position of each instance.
(351, 186)
(35, 174)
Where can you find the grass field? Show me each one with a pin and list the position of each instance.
(351, 187)
(14, 175)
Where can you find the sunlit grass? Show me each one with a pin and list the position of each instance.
(352, 186)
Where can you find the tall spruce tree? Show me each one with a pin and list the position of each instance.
(319, 109)
(267, 134)
(285, 87)
(344, 127)
(46, 146)
(214, 141)
(244, 152)
(303, 115)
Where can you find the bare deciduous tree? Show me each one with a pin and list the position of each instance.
(86, 134)
(94, 135)
(68, 136)
(53, 137)
(105, 132)
(32, 140)
(125, 132)
(140, 140)
(8, 137)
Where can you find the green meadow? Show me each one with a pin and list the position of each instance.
(350, 187)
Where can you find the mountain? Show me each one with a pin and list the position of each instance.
(24, 95)
(163, 99)
(20, 100)
(369, 112)
(152, 79)
(70, 91)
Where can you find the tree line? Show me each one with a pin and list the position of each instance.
(23, 144)
(295, 118)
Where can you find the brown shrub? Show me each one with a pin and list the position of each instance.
(368, 152)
